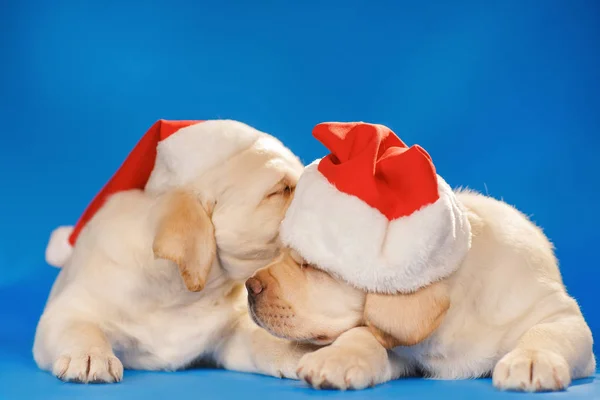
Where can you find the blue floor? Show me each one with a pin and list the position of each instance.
(21, 380)
(21, 304)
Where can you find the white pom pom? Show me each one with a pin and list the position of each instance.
(59, 249)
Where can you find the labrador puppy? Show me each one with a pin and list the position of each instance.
(155, 281)
(504, 313)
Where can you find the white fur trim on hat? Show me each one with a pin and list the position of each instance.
(192, 150)
(59, 249)
(355, 242)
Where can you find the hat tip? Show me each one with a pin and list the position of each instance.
(59, 250)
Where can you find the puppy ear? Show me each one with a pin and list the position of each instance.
(185, 235)
(406, 319)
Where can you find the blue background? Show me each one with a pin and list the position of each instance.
(505, 95)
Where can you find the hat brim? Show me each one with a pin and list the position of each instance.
(344, 236)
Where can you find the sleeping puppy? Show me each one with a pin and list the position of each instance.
(505, 310)
(502, 311)
(155, 280)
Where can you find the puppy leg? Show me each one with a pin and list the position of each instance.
(355, 360)
(76, 351)
(548, 356)
(250, 348)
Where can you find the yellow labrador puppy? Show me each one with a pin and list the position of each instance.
(459, 286)
(153, 281)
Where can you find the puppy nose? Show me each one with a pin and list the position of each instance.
(254, 286)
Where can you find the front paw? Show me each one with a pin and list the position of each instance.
(532, 371)
(344, 368)
(88, 367)
(280, 359)
(282, 369)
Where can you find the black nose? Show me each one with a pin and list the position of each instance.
(254, 287)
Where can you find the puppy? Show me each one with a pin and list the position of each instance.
(505, 312)
(155, 281)
(385, 255)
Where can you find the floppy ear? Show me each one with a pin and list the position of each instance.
(185, 235)
(406, 319)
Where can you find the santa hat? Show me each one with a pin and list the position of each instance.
(170, 154)
(374, 213)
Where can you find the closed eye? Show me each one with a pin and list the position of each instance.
(281, 191)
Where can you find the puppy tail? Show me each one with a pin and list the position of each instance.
(59, 250)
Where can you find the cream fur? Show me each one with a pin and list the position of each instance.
(355, 242)
(114, 305)
(510, 316)
(197, 148)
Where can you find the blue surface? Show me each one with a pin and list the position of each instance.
(20, 378)
(505, 95)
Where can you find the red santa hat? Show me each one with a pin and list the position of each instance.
(374, 213)
(170, 154)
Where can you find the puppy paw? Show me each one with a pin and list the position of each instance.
(90, 367)
(282, 368)
(532, 371)
(288, 372)
(343, 368)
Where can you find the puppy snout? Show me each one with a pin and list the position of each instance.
(254, 286)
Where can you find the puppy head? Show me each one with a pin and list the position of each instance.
(297, 301)
(294, 300)
(251, 195)
(229, 216)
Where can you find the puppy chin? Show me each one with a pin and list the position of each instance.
(321, 340)
(241, 268)
(314, 339)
